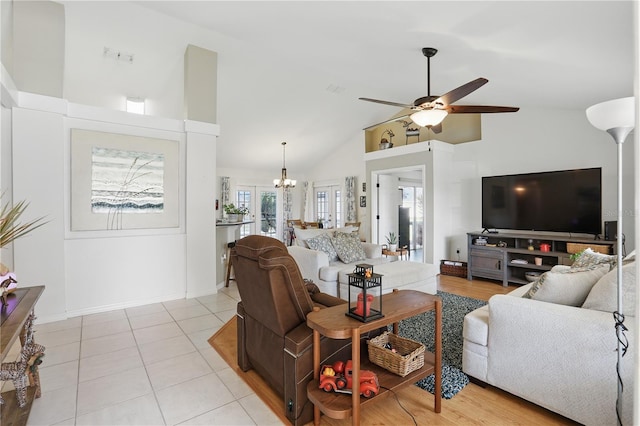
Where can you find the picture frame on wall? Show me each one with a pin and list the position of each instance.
(123, 182)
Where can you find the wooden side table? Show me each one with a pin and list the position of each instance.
(332, 322)
(14, 319)
(400, 252)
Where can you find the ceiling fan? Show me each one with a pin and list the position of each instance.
(430, 110)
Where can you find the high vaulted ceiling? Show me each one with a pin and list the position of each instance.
(298, 68)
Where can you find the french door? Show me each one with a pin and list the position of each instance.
(265, 210)
(328, 205)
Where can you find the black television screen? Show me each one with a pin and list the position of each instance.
(559, 201)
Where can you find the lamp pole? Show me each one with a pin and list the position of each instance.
(617, 117)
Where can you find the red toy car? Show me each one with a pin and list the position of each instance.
(338, 378)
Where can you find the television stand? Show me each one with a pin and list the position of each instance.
(511, 262)
(489, 231)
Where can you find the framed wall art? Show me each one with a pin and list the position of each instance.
(123, 182)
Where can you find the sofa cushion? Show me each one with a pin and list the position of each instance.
(590, 258)
(302, 235)
(476, 326)
(604, 294)
(566, 287)
(335, 271)
(349, 247)
(323, 243)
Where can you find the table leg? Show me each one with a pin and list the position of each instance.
(438, 348)
(355, 376)
(395, 324)
(316, 371)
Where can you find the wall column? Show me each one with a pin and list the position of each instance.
(200, 208)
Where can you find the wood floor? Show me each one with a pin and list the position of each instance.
(472, 405)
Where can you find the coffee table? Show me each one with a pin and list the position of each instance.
(399, 253)
(333, 323)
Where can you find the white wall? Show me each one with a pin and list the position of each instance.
(39, 177)
(6, 253)
(9, 98)
(348, 160)
(534, 141)
(95, 271)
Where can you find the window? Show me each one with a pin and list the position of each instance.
(337, 201)
(412, 197)
(243, 199)
(268, 213)
(322, 205)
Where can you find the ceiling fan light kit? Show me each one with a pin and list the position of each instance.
(428, 117)
(430, 111)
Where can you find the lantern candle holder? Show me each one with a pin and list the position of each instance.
(365, 294)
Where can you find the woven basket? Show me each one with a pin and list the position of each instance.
(453, 270)
(577, 248)
(409, 355)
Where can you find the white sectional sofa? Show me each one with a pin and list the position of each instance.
(557, 356)
(331, 276)
(315, 264)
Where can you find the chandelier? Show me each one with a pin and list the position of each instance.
(284, 182)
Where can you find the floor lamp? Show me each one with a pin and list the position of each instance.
(616, 117)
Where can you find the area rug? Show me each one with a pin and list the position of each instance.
(421, 328)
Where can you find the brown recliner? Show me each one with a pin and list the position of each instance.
(273, 337)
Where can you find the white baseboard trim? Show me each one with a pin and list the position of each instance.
(106, 308)
(207, 292)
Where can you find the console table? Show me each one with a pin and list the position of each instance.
(332, 322)
(14, 322)
(506, 256)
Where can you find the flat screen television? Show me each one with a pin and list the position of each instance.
(558, 201)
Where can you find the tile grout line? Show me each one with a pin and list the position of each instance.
(144, 365)
(75, 417)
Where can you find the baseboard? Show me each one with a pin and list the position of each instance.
(115, 306)
(477, 382)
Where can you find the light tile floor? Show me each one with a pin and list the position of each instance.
(148, 365)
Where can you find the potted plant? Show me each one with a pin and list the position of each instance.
(235, 214)
(392, 240)
(10, 230)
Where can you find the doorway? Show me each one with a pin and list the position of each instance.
(399, 194)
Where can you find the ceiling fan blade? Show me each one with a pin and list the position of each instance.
(461, 92)
(478, 109)
(402, 117)
(386, 102)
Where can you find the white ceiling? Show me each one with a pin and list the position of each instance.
(299, 67)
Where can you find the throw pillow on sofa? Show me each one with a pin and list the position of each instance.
(604, 295)
(590, 258)
(566, 287)
(302, 235)
(348, 247)
(323, 243)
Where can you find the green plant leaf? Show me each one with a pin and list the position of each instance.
(10, 228)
